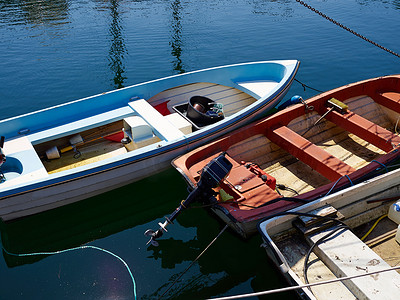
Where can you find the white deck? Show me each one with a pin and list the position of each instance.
(259, 87)
(21, 149)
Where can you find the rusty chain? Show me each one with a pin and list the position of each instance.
(346, 28)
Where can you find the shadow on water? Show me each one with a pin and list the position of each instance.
(91, 219)
(229, 266)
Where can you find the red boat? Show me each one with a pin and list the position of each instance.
(303, 152)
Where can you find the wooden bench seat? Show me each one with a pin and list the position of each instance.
(365, 129)
(157, 121)
(390, 100)
(321, 161)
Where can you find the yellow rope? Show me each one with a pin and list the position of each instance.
(373, 226)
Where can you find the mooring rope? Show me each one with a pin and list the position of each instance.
(347, 28)
(79, 248)
(192, 263)
(305, 85)
(297, 287)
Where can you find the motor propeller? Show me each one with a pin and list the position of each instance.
(2, 155)
(211, 176)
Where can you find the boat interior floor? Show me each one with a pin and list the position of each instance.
(232, 99)
(327, 151)
(381, 241)
(97, 148)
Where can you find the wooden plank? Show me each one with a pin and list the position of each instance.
(100, 151)
(366, 107)
(347, 147)
(232, 98)
(181, 92)
(288, 170)
(390, 100)
(346, 255)
(365, 129)
(323, 211)
(321, 161)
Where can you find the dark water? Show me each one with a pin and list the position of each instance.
(56, 51)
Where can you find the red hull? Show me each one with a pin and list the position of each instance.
(255, 199)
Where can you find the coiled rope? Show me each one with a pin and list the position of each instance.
(79, 248)
(347, 28)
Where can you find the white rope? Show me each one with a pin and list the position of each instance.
(291, 288)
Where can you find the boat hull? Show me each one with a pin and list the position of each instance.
(71, 186)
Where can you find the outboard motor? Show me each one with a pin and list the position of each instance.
(213, 173)
(2, 155)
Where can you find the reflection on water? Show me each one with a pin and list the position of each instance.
(99, 218)
(35, 13)
(176, 28)
(275, 9)
(118, 47)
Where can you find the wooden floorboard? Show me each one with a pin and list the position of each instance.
(232, 99)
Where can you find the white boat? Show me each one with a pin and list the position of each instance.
(73, 151)
(349, 251)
